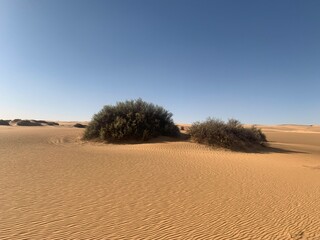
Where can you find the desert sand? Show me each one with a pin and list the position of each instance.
(55, 186)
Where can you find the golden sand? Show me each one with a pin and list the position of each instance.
(54, 186)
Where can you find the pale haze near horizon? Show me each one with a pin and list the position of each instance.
(257, 61)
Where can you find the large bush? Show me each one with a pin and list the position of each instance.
(232, 135)
(131, 120)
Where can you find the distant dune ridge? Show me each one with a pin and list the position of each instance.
(30, 123)
(53, 185)
(4, 122)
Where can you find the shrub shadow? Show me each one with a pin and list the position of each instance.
(263, 149)
(161, 139)
(266, 149)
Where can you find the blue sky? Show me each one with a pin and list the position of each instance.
(257, 61)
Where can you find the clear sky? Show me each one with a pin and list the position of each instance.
(257, 61)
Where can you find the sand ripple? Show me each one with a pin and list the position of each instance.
(53, 186)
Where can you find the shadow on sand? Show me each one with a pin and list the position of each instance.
(269, 149)
(161, 139)
(265, 149)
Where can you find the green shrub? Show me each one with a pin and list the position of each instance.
(5, 122)
(131, 120)
(231, 135)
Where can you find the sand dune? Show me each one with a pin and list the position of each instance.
(54, 186)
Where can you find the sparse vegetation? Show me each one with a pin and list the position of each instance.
(232, 135)
(52, 124)
(79, 125)
(20, 122)
(28, 123)
(43, 122)
(131, 120)
(4, 122)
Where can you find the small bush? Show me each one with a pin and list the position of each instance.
(79, 125)
(231, 135)
(4, 122)
(131, 120)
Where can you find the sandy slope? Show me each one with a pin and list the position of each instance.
(53, 186)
